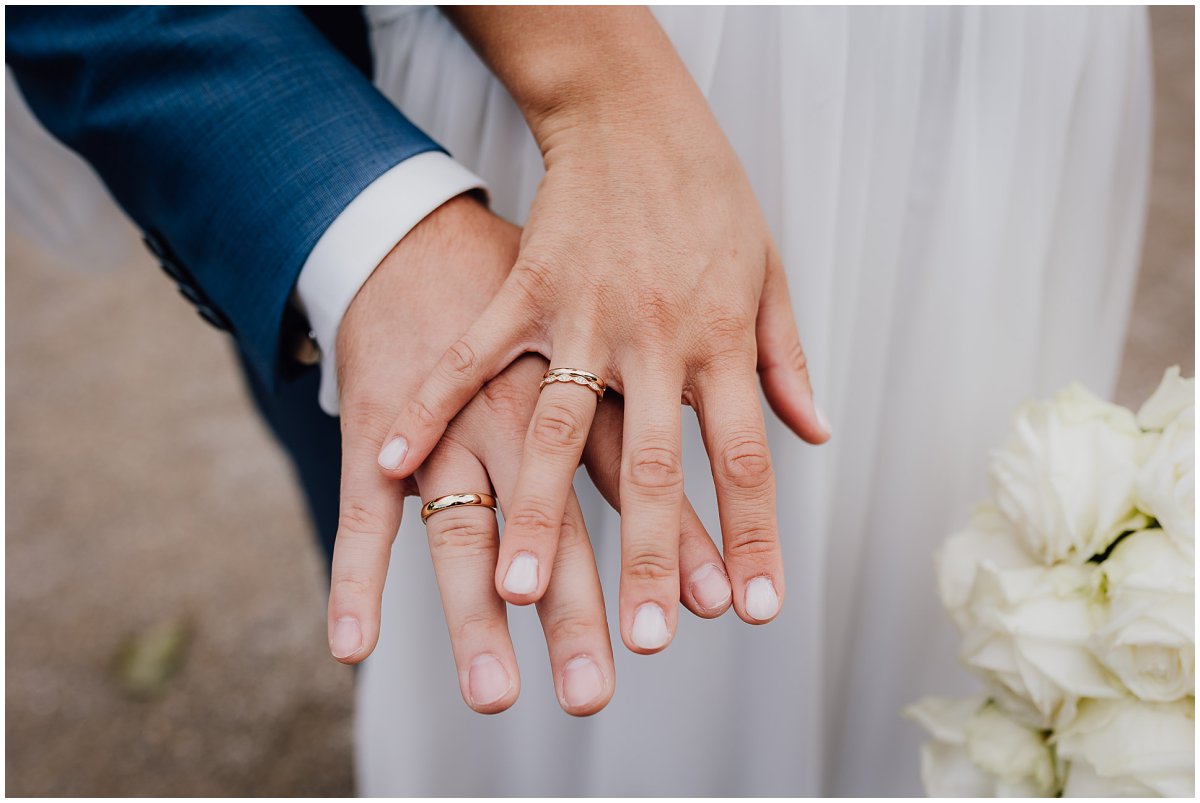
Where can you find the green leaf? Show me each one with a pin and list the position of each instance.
(146, 662)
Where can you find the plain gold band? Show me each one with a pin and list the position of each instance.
(583, 378)
(456, 500)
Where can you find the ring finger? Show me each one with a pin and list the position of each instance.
(731, 422)
(463, 544)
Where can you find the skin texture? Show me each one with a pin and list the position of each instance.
(418, 300)
(645, 260)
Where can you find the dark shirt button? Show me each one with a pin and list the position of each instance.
(172, 270)
(154, 244)
(191, 294)
(212, 316)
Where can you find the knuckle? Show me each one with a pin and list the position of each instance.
(656, 468)
(745, 462)
(650, 566)
(754, 540)
(471, 626)
(571, 535)
(350, 586)
(460, 359)
(533, 278)
(724, 360)
(505, 399)
(726, 325)
(369, 417)
(420, 413)
(558, 426)
(657, 310)
(534, 515)
(357, 518)
(460, 536)
(571, 626)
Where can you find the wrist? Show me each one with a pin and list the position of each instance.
(568, 68)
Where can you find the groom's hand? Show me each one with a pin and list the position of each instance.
(427, 290)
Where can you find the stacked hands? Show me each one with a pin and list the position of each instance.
(646, 262)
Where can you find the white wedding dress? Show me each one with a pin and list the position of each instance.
(958, 194)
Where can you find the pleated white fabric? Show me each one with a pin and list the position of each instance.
(958, 194)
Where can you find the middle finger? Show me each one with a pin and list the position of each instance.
(651, 502)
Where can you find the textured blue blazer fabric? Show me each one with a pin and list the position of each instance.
(233, 137)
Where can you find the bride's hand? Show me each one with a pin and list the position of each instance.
(423, 295)
(647, 261)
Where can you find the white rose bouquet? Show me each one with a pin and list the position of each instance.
(1075, 594)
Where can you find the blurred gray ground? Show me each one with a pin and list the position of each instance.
(142, 489)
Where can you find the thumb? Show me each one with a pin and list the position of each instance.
(782, 366)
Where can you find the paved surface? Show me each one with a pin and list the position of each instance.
(142, 491)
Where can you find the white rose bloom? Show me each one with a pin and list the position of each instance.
(988, 539)
(1029, 634)
(1129, 748)
(1173, 396)
(1066, 475)
(1149, 639)
(977, 751)
(1166, 484)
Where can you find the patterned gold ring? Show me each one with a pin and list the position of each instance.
(584, 378)
(455, 500)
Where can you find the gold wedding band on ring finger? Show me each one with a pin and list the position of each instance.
(456, 500)
(580, 377)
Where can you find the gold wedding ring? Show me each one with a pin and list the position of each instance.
(456, 500)
(584, 378)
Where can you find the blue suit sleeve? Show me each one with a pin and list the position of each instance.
(232, 136)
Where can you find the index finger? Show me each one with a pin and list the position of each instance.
(369, 510)
(489, 345)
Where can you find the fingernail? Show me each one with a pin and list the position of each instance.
(487, 680)
(650, 627)
(761, 600)
(822, 419)
(522, 575)
(346, 639)
(582, 681)
(710, 588)
(392, 454)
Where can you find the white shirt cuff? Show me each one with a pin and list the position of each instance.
(361, 236)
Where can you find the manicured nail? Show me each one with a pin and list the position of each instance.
(761, 600)
(650, 627)
(823, 420)
(710, 587)
(487, 680)
(392, 454)
(582, 682)
(522, 575)
(346, 639)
